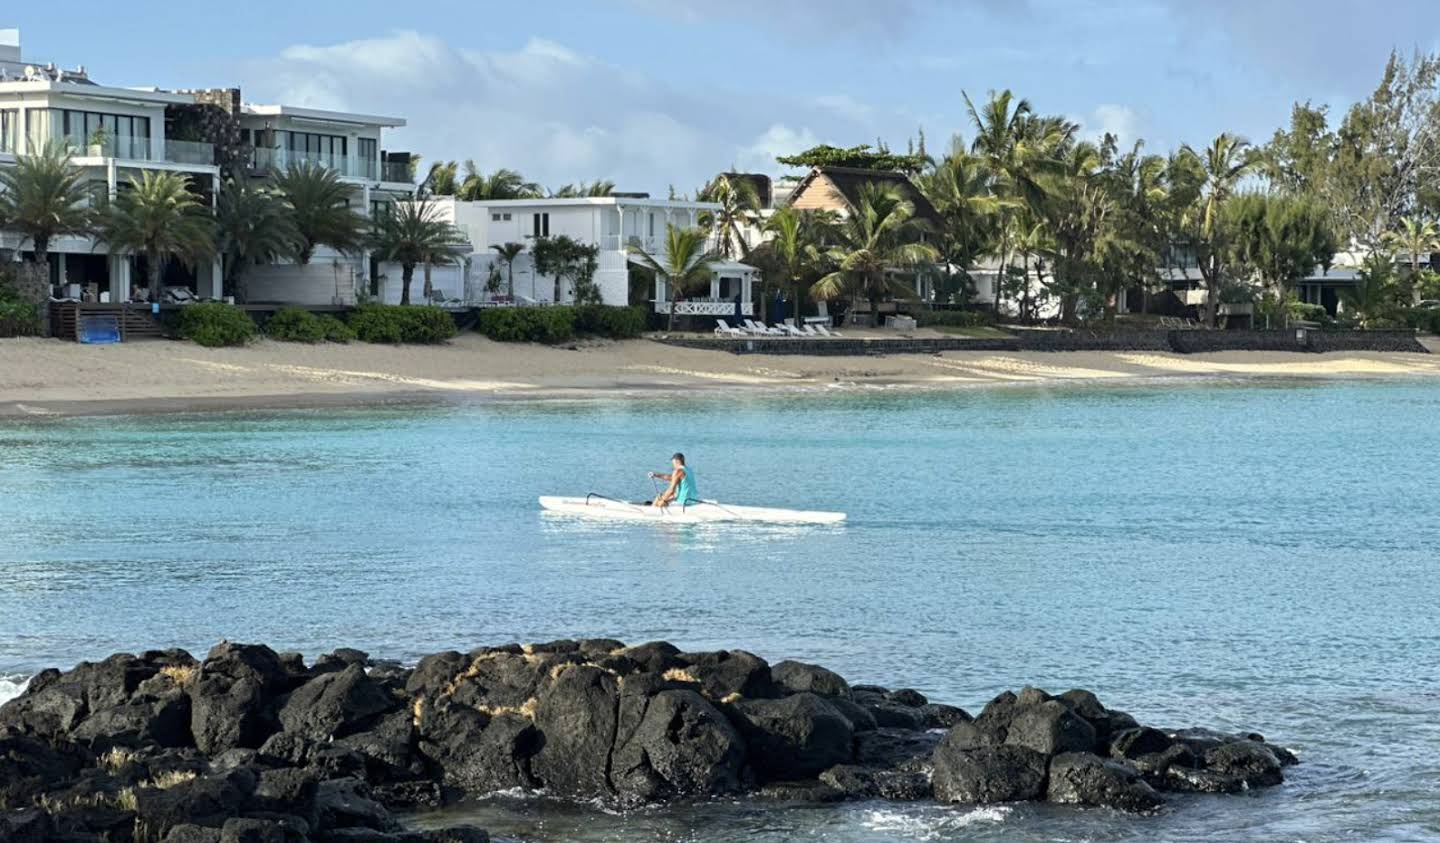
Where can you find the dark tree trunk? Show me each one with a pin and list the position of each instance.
(407, 274)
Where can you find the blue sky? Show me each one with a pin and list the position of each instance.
(658, 92)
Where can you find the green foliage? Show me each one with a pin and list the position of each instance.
(161, 218)
(684, 263)
(213, 324)
(253, 225)
(560, 323)
(621, 323)
(43, 196)
(18, 318)
(295, 324)
(334, 329)
(861, 157)
(413, 233)
(319, 203)
(547, 325)
(383, 323)
(568, 261)
(1281, 239)
(953, 318)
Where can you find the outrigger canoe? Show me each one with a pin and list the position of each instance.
(598, 506)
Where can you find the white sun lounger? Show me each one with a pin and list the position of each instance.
(762, 330)
(790, 329)
(826, 332)
(723, 328)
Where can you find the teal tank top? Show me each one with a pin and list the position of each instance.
(686, 493)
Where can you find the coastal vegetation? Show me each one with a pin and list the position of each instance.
(213, 324)
(561, 323)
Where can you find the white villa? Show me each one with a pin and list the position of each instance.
(117, 133)
(613, 224)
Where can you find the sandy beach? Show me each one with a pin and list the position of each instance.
(51, 377)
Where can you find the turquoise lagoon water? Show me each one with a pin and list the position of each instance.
(1226, 555)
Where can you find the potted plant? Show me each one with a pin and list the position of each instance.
(100, 143)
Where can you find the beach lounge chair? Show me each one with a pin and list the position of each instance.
(809, 331)
(790, 329)
(826, 332)
(761, 330)
(723, 328)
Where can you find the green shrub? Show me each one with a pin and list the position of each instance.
(295, 324)
(335, 330)
(551, 324)
(953, 318)
(213, 324)
(383, 323)
(19, 318)
(621, 323)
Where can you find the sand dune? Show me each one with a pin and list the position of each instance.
(39, 377)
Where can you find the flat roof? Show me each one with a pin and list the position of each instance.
(577, 201)
(148, 96)
(321, 115)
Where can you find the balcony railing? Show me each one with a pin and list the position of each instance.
(189, 152)
(125, 148)
(351, 166)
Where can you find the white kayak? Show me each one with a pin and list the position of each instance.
(595, 506)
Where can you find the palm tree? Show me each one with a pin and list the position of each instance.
(961, 187)
(880, 236)
(442, 179)
(1225, 162)
(1415, 237)
(603, 187)
(254, 225)
(319, 205)
(1020, 149)
(412, 233)
(739, 209)
(160, 217)
(43, 196)
(683, 263)
(796, 239)
(508, 253)
(501, 184)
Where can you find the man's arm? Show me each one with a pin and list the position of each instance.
(675, 482)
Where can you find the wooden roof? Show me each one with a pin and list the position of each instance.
(848, 180)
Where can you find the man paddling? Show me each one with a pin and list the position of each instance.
(682, 484)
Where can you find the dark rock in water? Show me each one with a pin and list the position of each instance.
(654, 656)
(1250, 761)
(230, 701)
(346, 803)
(456, 834)
(1050, 728)
(728, 673)
(335, 704)
(941, 716)
(1139, 741)
(434, 672)
(253, 746)
(681, 747)
(476, 753)
(793, 677)
(805, 790)
(30, 825)
(204, 800)
(859, 782)
(1082, 778)
(340, 659)
(861, 720)
(1008, 773)
(795, 737)
(577, 715)
(908, 697)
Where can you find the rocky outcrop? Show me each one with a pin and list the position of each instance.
(1070, 749)
(249, 744)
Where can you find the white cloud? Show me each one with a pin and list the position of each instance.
(556, 114)
(1117, 120)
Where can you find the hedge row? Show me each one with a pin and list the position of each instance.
(214, 324)
(559, 323)
(952, 318)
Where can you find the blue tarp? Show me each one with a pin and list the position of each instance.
(99, 329)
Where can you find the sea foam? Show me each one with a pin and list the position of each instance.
(930, 823)
(11, 685)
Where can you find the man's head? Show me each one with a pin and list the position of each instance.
(678, 460)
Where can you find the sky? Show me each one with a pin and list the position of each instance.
(660, 93)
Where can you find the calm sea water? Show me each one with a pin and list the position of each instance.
(1226, 555)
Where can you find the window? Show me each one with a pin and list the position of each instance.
(120, 135)
(326, 150)
(506, 216)
(9, 130)
(652, 224)
(541, 225)
(378, 207)
(499, 217)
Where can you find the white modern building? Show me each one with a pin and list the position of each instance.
(613, 224)
(114, 134)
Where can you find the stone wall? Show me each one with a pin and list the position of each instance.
(30, 283)
(1180, 342)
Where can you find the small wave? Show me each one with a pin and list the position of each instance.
(11, 685)
(930, 824)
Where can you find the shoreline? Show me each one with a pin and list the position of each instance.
(55, 379)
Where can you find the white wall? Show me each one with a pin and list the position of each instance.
(314, 283)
